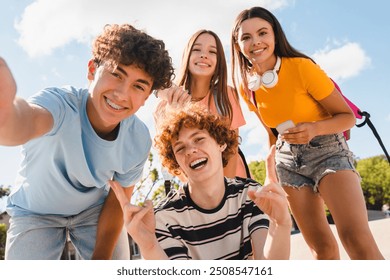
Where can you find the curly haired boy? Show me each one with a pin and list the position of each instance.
(211, 216)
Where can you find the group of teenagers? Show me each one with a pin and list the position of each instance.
(85, 149)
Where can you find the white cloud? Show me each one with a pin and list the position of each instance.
(46, 25)
(342, 62)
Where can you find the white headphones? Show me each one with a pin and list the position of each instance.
(269, 79)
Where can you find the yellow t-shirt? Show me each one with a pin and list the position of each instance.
(295, 97)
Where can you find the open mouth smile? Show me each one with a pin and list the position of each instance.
(113, 105)
(258, 51)
(199, 163)
(202, 64)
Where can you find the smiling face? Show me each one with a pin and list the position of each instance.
(115, 95)
(256, 41)
(204, 56)
(198, 154)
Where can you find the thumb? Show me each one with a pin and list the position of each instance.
(270, 172)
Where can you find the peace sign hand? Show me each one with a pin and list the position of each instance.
(139, 221)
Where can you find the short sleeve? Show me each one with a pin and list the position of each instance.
(317, 82)
(138, 149)
(51, 99)
(249, 102)
(133, 176)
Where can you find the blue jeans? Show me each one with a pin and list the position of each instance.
(301, 165)
(43, 237)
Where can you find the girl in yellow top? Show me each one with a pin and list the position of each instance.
(203, 78)
(313, 161)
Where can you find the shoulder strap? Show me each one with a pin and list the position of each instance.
(373, 129)
(359, 115)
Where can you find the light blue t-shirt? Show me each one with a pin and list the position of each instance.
(66, 171)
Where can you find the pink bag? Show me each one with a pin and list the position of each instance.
(355, 109)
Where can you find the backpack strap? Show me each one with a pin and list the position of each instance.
(374, 131)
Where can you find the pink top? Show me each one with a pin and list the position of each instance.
(238, 118)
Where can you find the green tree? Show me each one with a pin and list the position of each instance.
(257, 168)
(151, 185)
(3, 235)
(375, 174)
(4, 191)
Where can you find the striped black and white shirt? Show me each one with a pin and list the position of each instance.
(186, 231)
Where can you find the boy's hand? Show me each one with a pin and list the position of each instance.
(7, 86)
(271, 198)
(270, 171)
(139, 221)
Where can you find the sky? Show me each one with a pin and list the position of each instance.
(48, 42)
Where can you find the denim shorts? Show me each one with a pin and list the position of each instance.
(43, 237)
(299, 165)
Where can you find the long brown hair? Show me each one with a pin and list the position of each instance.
(218, 84)
(282, 47)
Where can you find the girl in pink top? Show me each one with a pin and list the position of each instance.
(203, 78)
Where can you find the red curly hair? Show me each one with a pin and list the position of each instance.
(192, 115)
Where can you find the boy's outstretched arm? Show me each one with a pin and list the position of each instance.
(272, 200)
(19, 120)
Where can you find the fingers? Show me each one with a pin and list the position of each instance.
(174, 95)
(267, 195)
(141, 212)
(302, 133)
(180, 96)
(7, 84)
(270, 172)
(132, 213)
